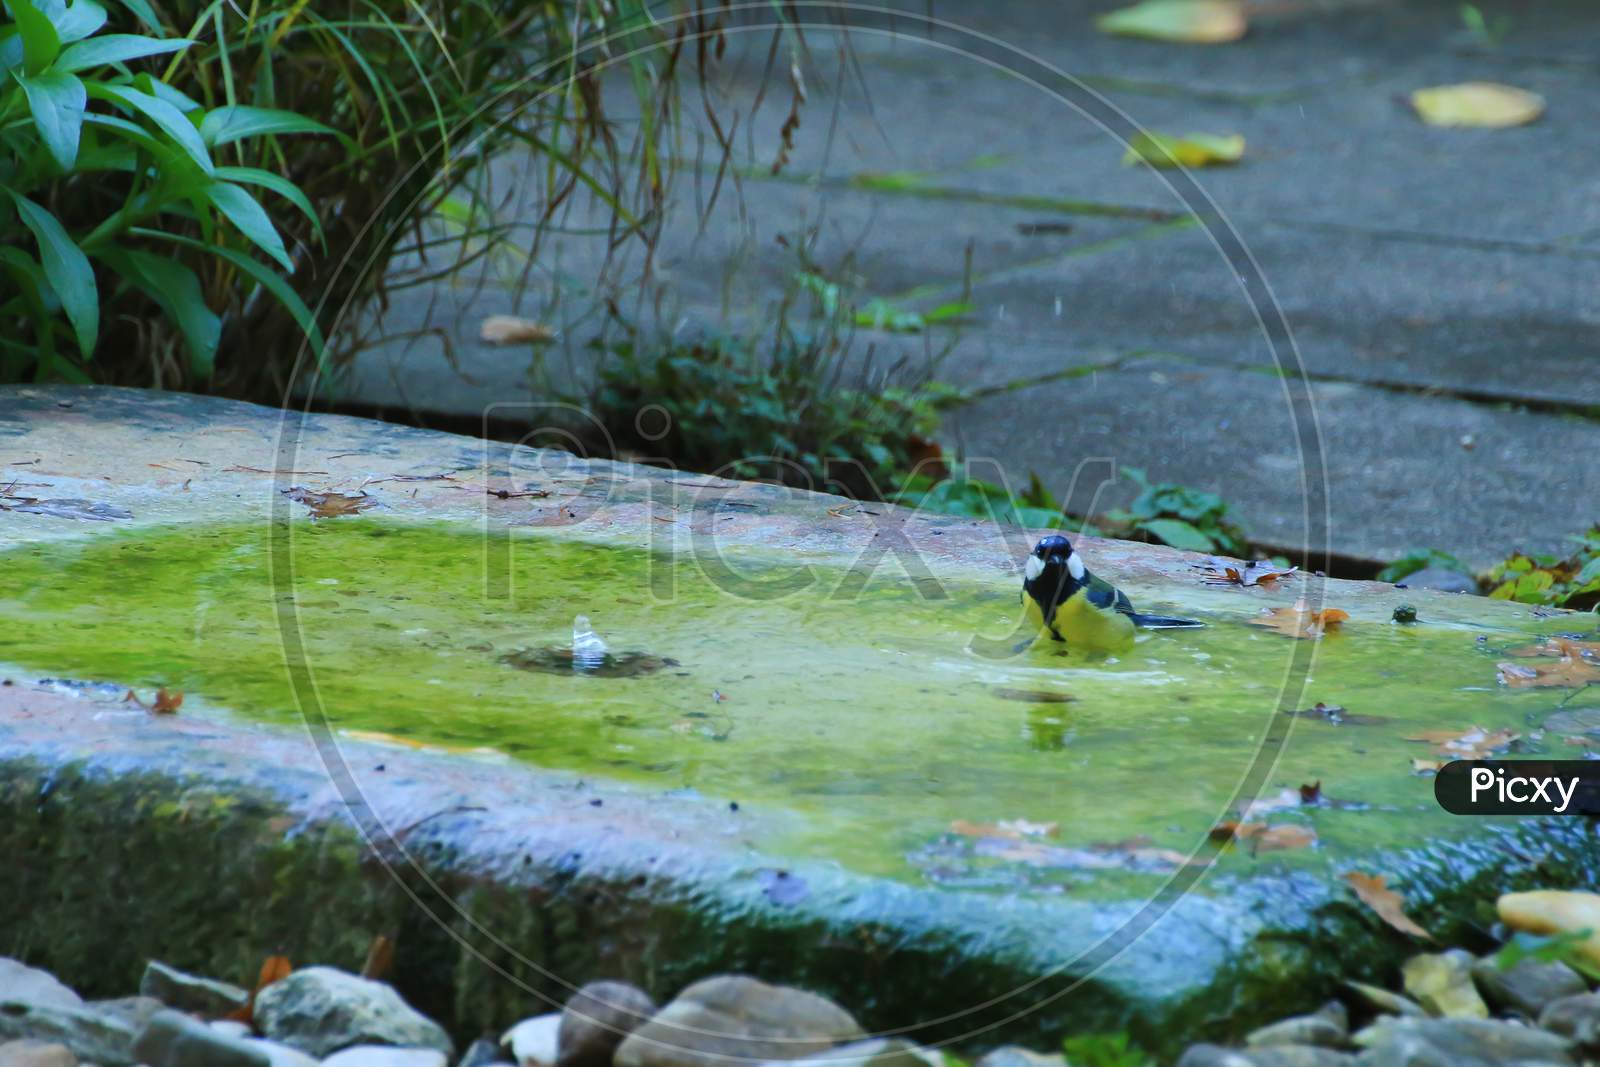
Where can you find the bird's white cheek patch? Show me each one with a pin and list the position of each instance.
(1033, 568)
(1075, 567)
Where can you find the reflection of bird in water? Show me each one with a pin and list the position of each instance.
(588, 648)
(1065, 601)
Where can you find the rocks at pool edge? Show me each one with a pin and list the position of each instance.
(187, 992)
(597, 1019)
(737, 1017)
(321, 1010)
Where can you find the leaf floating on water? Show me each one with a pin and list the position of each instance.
(514, 330)
(1011, 829)
(167, 701)
(1179, 21)
(1190, 150)
(67, 508)
(1262, 837)
(330, 505)
(1569, 671)
(1472, 743)
(1385, 902)
(1562, 647)
(1484, 104)
(1033, 696)
(1336, 715)
(1300, 621)
(1262, 572)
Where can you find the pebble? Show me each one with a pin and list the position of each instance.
(1017, 1056)
(1442, 579)
(91, 1035)
(321, 1010)
(1396, 1041)
(1442, 983)
(595, 1021)
(534, 1042)
(482, 1053)
(1549, 911)
(1528, 985)
(1271, 1056)
(1328, 1027)
(28, 1053)
(187, 992)
(737, 1017)
(1576, 1017)
(30, 985)
(172, 1039)
(385, 1056)
(876, 1052)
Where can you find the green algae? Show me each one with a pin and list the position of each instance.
(870, 715)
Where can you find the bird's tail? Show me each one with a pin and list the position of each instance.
(1163, 622)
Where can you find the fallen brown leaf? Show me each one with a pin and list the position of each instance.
(273, 969)
(1569, 671)
(514, 330)
(1262, 837)
(167, 702)
(1217, 571)
(1562, 647)
(330, 505)
(1300, 621)
(1472, 743)
(1010, 829)
(1389, 905)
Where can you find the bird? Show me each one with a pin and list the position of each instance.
(1064, 600)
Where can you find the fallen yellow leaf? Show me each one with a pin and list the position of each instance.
(1485, 104)
(1568, 671)
(1300, 621)
(1190, 150)
(1181, 21)
(514, 330)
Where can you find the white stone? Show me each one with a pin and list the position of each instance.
(385, 1056)
(533, 1041)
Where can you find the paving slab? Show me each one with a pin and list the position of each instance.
(804, 777)
(1404, 471)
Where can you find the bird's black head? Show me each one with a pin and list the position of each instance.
(1053, 572)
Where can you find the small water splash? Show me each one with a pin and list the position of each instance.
(588, 648)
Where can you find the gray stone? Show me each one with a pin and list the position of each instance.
(36, 1054)
(1269, 1056)
(30, 985)
(172, 1039)
(320, 1010)
(482, 1053)
(876, 1052)
(279, 1055)
(596, 1019)
(1328, 1027)
(91, 1035)
(187, 992)
(1441, 579)
(1384, 1000)
(1528, 985)
(737, 1016)
(135, 1011)
(1459, 1043)
(1576, 1017)
(385, 1056)
(1017, 1056)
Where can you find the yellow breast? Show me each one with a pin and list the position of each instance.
(1084, 627)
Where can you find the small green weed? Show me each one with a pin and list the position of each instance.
(1557, 948)
(1178, 516)
(1420, 559)
(1571, 582)
(1105, 1050)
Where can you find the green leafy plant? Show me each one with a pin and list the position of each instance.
(1420, 559)
(1105, 1050)
(1570, 582)
(79, 124)
(961, 494)
(422, 94)
(1178, 516)
(777, 413)
(1486, 32)
(1557, 948)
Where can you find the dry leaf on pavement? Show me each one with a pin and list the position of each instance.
(514, 330)
(1485, 104)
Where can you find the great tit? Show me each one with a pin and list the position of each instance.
(1064, 600)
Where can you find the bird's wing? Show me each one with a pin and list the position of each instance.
(1102, 594)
